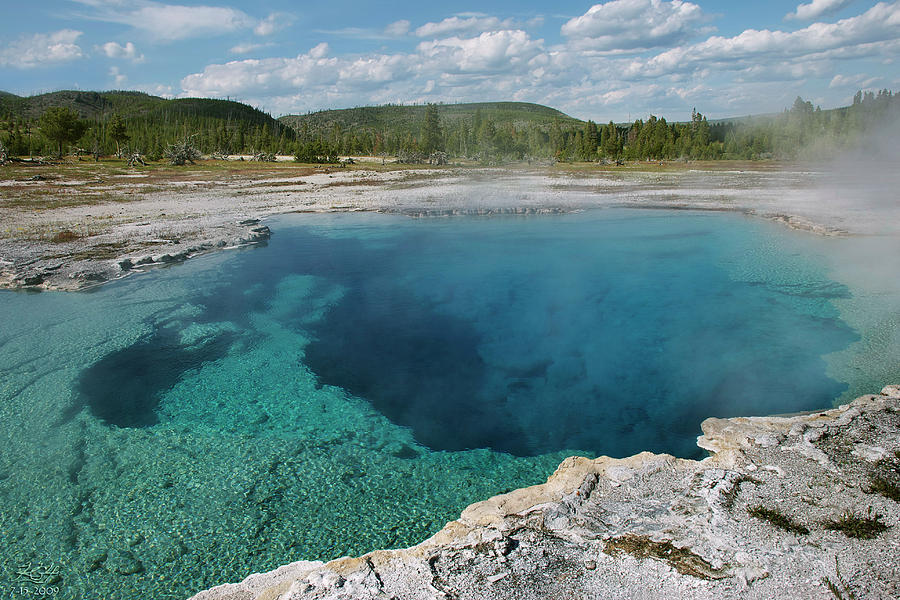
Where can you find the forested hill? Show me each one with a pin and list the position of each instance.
(152, 122)
(394, 128)
(408, 119)
(511, 130)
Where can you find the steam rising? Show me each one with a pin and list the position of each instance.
(862, 187)
(859, 192)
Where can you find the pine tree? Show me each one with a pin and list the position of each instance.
(591, 141)
(432, 138)
(557, 140)
(62, 125)
(610, 140)
(116, 130)
(702, 137)
(485, 138)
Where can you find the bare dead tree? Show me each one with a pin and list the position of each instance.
(136, 158)
(263, 156)
(183, 151)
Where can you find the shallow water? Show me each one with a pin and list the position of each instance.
(361, 379)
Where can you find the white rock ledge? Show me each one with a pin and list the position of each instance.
(655, 526)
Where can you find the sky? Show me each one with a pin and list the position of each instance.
(617, 60)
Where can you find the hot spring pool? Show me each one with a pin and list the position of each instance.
(362, 378)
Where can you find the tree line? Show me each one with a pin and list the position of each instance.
(213, 128)
(801, 131)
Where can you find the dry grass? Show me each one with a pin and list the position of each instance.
(885, 487)
(885, 478)
(682, 559)
(778, 519)
(868, 527)
(352, 183)
(673, 166)
(64, 236)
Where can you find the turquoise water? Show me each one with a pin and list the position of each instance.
(362, 378)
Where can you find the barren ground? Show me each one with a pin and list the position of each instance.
(80, 223)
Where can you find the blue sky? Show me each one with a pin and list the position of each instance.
(614, 60)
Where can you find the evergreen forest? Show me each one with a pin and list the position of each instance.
(108, 123)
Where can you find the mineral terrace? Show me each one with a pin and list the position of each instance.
(799, 506)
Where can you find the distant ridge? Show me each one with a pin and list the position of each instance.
(152, 122)
(129, 104)
(407, 119)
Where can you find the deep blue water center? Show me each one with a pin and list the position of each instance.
(605, 332)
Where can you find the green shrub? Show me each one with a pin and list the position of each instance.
(861, 528)
(778, 519)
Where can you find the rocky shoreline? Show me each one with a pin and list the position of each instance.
(106, 228)
(785, 507)
(175, 221)
(67, 273)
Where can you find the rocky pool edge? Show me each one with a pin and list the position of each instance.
(653, 525)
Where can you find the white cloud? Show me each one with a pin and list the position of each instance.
(370, 72)
(170, 22)
(155, 89)
(248, 48)
(266, 76)
(817, 8)
(491, 62)
(115, 50)
(880, 24)
(489, 52)
(319, 50)
(788, 71)
(397, 28)
(117, 76)
(42, 49)
(273, 23)
(856, 82)
(635, 24)
(463, 25)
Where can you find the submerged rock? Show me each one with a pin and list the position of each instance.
(126, 563)
(655, 526)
